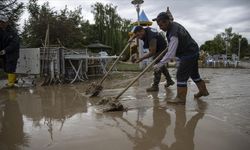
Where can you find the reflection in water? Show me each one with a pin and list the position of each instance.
(154, 136)
(55, 106)
(47, 107)
(60, 104)
(184, 131)
(169, 94)
(11, 125)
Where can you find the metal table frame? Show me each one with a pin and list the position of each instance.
(79, 73)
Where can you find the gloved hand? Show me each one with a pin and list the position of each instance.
(132, 38)
(157, 67)
(2, 52)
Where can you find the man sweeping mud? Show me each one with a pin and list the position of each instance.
(156, 43)
(181, 45)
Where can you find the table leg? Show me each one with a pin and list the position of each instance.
(76, 71)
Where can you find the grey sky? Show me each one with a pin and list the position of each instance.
(202, 18)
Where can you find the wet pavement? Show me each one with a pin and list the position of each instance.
(61, 117)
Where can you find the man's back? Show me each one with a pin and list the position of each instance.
(151, 33)
(186, 44)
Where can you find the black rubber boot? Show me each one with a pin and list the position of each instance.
(156, 81)
(169, 83)
(153, 88)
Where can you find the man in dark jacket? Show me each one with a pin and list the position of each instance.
(182, 46)
(156, 43)
(9, 49)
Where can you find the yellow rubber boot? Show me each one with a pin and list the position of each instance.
(11, 79)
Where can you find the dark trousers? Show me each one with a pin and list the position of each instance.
(1, 63)
(157, 75)
(187, 69)
(8, 67)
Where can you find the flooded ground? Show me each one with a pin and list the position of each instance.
(62, 117)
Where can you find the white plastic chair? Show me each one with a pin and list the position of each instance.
(225, 61)
(235, 60)
(209, 60)
(215, 60)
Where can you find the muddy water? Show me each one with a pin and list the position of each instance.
(62, 117)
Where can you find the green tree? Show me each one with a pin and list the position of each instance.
(70, 23)
(226, 42)
(110, 27)
(72, 30)
(215, 46)
(239, 42)
(89, 32)
(64, 25)
(35, 28)
(227, 36)
(244, 47)
(12, 9)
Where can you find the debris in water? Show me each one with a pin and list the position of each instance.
(110, 104)
(105, 100)
(94, 89)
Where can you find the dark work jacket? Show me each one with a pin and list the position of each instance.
(9, 41)
(161, 43)
(187, 47)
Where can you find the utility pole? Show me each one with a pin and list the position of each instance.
(239, 46)
(137, 4)
(226, 39)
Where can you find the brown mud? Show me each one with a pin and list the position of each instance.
(62, 117)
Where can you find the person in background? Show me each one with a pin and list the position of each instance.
(9, 49)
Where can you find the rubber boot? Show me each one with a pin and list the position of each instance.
(156, 81)
(169, 83)
(180, 97)
(202, 89)
(11, 80)
(153, 88)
